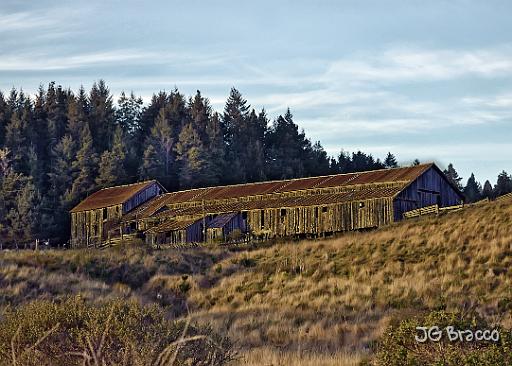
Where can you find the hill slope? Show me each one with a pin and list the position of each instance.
(310, 303)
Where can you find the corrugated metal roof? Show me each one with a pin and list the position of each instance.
(397, 175)
(172, 225)
(283, 202)
(111, 196)
(221, 220)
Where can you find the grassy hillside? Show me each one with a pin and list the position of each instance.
(324, 302)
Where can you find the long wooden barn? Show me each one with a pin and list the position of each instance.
(294, 207)
(94, 219)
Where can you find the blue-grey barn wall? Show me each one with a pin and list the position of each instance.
(141, 197)
(424, 191)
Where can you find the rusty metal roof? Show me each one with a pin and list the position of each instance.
(396, 175)
(111, 196)
(172, 225)
(284, 202)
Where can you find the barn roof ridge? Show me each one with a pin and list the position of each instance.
(289, 180)
(127, 185)
(442, 174)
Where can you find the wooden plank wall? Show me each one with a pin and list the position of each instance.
(191, 234)
(416, 195)
(321, 219)
(89, 226)
(141, 197)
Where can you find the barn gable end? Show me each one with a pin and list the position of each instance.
(430, 188)
(93, 219)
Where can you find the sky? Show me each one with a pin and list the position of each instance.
(423, 79)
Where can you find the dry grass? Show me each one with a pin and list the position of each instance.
(267, 356)
(315, 302)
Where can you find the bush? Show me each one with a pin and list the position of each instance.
(72, 332)
(399, 346)
(235, 235)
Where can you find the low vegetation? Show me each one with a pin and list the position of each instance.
(317, 302)
(455, 334)
(73, 332)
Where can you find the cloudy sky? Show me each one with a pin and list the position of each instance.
(423, 79)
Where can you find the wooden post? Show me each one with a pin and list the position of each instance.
(204, 223)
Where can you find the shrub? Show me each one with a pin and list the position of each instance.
(72, 332)
(399, 346)
(235, 235)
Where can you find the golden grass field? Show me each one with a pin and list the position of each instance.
(317, 302)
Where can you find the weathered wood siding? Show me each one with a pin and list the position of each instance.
(141, 197)
(237, 222)
(90, 227)
(191, 234)
(321, 219)
(429, 189)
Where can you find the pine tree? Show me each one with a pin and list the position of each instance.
(390, 161)
(111, 169)
(503, 184)
(147, 119)
(190, 154)
(416, 162)
(39, 140)
(235, 113)
(473, 190)
(215, 158)
(286, 149)
(128, 113)
(4, 161)
(61, 173)
(23, 217)
(151, 167)
(237, 133)
(158, 156)
(487, 191)
(85, 167)
(101, 116)
(453, 176)
(178, 113)
(19, 204)
(13, 105)
(344, 162)
(56, 111)
(316, 160)
(16, 142)
(3, 118)
(77, 115)
(200, 113)
(249, 146)
(333, 166)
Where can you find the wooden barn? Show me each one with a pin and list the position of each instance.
(226, 227)
(313, 206)
(97, 217)
(176, 232)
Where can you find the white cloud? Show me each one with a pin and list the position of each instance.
(34, 61)
(23, 20)
(412, 64)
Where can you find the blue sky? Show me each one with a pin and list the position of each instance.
(423, 79)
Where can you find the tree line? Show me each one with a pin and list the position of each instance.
(59, 146)
(474, 191)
